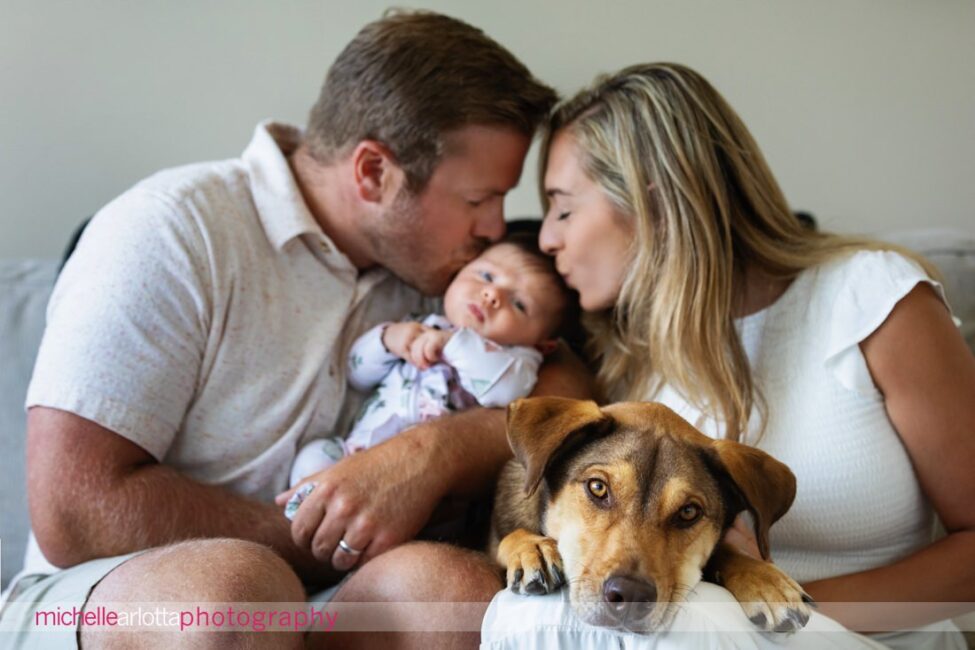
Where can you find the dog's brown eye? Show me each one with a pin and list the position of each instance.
(597, 488)
(688, 514)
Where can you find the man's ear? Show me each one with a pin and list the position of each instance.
(377, 175)
(539, 426)
(548, 346)
(767, 486)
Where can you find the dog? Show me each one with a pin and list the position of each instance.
(628, 505)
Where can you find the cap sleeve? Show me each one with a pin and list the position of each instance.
(869, 285)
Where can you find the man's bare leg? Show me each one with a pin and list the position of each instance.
(426, 574)
(197, 571)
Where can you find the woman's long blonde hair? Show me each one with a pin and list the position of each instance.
(670, 152)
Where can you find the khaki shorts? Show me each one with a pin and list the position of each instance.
(67, 590)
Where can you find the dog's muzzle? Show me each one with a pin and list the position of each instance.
(628, 600)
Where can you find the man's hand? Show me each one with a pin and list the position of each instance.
(415, 343)
(382, 496)
(373, 500)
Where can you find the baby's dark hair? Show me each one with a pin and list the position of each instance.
(523, 234)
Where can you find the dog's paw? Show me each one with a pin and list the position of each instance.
(773, 601)
(533, 562)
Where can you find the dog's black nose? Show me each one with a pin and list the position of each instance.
(629, 598)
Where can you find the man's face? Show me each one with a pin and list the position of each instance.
(425, 239)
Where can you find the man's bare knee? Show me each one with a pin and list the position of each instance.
(424, 572)
(433, 596)
(212, 570)
(228, 571)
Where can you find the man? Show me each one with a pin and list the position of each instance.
(197, 337)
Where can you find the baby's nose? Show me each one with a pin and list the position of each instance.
(491, 296)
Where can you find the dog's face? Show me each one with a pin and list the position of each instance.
(637, 500)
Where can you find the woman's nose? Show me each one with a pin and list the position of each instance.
(549, 240)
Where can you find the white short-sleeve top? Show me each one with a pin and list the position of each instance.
(858, 503)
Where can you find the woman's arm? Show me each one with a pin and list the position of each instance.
(921, 365)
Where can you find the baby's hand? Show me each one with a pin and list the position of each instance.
(415, 343)
(425, 350)
(397, 337)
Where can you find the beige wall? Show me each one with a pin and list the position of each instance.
(865, 108)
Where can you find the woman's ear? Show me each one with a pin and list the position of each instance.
(376, 173)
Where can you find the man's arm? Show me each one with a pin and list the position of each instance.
(93, 493)
(381, 497)
(475, 443)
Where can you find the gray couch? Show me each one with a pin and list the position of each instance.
(25, 286)
(24, 289)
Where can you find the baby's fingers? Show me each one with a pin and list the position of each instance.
(417, 356)
(432, 349)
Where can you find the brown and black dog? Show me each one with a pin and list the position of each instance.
(628, 504)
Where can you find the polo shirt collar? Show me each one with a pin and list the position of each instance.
(280, 206)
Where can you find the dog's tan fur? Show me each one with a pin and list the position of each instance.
(550, 527)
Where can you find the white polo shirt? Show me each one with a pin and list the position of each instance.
(206, 317)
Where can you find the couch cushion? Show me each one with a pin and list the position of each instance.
(25, 286)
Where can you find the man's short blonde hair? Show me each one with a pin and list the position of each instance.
(409, 78)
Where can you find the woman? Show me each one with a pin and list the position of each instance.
(836, 355)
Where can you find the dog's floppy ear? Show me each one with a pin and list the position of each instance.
(538, 426)
(767, 486)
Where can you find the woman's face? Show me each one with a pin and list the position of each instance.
(589, 237)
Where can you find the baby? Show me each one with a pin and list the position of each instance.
(502, 313)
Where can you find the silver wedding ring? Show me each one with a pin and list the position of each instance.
(348, 549)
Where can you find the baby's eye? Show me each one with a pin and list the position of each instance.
(487, 276)
(562, 216)
(520, 306)
(474, 203)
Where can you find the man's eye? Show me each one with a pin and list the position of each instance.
(474, 203)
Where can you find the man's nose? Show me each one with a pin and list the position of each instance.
(491, 225)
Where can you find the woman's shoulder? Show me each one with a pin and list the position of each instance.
(869, 267)
(850, 287)
(866, 284)
(857, 292)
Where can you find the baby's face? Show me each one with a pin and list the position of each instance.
(504, 298)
